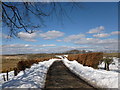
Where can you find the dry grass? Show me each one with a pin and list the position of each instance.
(10, 62)
(73, 56)
(89, 59)
(112, 54)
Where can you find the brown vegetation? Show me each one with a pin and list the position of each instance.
(88, 59)
(73, 56)
(9, 63)
(111, 55)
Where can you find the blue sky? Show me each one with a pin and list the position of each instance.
(94, 26)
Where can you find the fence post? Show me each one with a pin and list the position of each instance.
(7, 75)
(15, 71)
(4, 77)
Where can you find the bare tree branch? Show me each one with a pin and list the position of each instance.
(14, 18)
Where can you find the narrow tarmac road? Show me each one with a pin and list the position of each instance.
(59, 76)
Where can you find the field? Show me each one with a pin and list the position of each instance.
(9, 62)
(112, 54)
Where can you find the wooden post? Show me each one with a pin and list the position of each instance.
(7, 75)
(15, 71)
(4, 77)
(105, 66)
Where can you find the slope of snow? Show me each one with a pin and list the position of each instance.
(98, 78)
(31, 78)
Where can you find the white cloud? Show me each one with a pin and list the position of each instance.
(47, 35)
(102, 35)
(47, 45)
(51, 34)
(27, 37)
(94, 41)
(99, 44)
(2, 35)
(86, 41)
(59, 40)
(16, 46)
(86, 44)
(25, 48)
(115, 33)
(74, 37)
(108, 41)
(96, 30)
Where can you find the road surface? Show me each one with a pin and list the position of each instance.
(59, 76)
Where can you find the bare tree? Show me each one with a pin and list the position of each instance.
(17, 15)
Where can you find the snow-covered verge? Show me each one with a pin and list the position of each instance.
(114, 66)
(11, 75)
(35, 76)
(97, 78)
(31, 78)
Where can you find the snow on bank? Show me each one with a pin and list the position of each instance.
(11, 75)
(36, 75)
(114, 66)
(31, 78)
(99, 78)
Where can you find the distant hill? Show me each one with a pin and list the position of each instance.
(77, 51)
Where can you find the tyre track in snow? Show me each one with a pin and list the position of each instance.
(59, 76)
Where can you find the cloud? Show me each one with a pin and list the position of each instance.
(102, 35)
(115, 33)
(99, 44)
(86, 41)
(25, 48)
(96, 30)
(47, 35)
(93, 43)
(74, 37)
(27, 37)
(47, 45)
(51, 34)
(59, 40)
(86, 44)
(108, 41)
(16, 46)
(2, 35)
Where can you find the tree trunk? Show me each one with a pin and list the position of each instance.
(15, 71)
(7, 75)
(105, 66)
(4, 77)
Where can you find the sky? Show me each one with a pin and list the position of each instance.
(92, 26)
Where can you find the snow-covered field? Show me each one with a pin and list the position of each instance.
(36, 75)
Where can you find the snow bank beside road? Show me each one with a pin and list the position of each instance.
(32, 78)
(99, 78)
(35, 76)
(11, 75)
